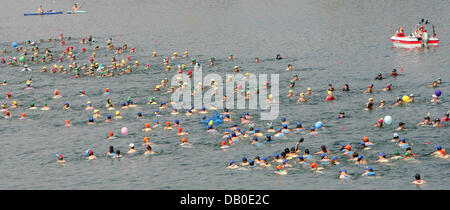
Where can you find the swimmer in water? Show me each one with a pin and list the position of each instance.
(118, 155)
(147, 128)
(312, 131)
(379, 123)
(299, 127)
(168, 126)
(90, 155)
(132, 150)
(324, 157)
(184, 143)
(369, 89)
(91, 121)
(382, 158)
(440, 152)
(379, 77)
(223, 145)
(301, 160)
(323, 149)
(402, 143)
(45, 107)
(367, 142)
(111, 136)
(426, 121)
(118, 116)
(437, 123)
(314, 167)
(56, 95)
(396, 156)
(446, 117)
(335, 161)
(66, 106)
(401, 126)
(32, 106)
(361, 160)
(308, 91)
(302, 98)
(346, 88)
(435, 99)
(232, 165)
(23, 116)
(394, 73)
(60, 158)
(264, 162)
(343, 174)
(418, 180)
(149, 151)
(280, 170)
(110, 152)
(369, 172)
(180, 132)
(369, 105)
(244, 162)
(67, 123)
(330, 96)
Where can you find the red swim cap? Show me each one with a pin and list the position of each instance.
(111, 133)
(147, 125)
(183, 140)
(279, 167)
(179, 129)
(366, 138)
(223, 143)
(314, 165)
(167, 123)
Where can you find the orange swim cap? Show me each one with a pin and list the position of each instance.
(223, 143)
(7, 112)
(167, 123)
(443, 151)
(111, 133)
(56, 92)
(147, 125)
(67, 121)
(314, 165)
(279, 167)
(179, 129)
(366, 138)
(24, 115)
(146, 138)
(183, 140)
(106, 90)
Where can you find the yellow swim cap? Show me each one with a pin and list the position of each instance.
(44, 67)
(246, 74)
(70, 66)
(182, 65)
(15, 102)
(309, 89)
(302, 94)
(96, 111)
(175, 53)
(270, 95)
(329, 92)
(370, 99)
(168, 66)
(157, 86)
(117, 112)
(290, 91)
(236, 67)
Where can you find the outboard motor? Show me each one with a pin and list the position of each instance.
(424, 39)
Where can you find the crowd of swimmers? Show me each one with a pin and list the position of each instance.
(235, 134)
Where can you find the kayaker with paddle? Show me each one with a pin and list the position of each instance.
(40, 10)
(75, 7)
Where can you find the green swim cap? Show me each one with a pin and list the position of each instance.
(32, 104)
(407, 154)
(396, 153)
(5, 80)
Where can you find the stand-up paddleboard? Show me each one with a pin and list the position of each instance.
(44, 13)
(76, 12)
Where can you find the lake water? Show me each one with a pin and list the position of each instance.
(338, 42)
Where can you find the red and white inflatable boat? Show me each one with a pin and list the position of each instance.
(420, 38)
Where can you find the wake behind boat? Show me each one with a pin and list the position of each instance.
(419, 38)
(76, 12)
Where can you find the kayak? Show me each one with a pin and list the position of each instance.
(76, 12)
(44, 13)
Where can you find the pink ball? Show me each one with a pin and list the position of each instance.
(124, 131)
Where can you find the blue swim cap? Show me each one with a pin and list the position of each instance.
(402, 139)
(257, 129)
(360, 157)
(263, 158)
(243, 131)
(275, 155)
(109, 116)
(209, 126)
(139, 113)
(231, 162)
(382, 154)
(244, 159)
(157, 110)
(177, 121)
(234, 124)
(124, 103)
(163, 103)
(155, 121)
(300, 157)
(342, 145)
(91, 119)
(226, 130)
(312, 128)
(268, 136)
(438, 147)
(238, 129)
(343, 170)
(283, 119)
(254, 138)
(298, 124)
(251, 161)
(362, 143)
(203, 117)
(229, 137)
(284, 161)
(66, 104)
(324, 154)
(334, 158)
(285, 126)
(278, 129)
(246, 113)
(369, 168)
(203, 108)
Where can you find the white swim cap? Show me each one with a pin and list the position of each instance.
(131, 145)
